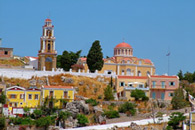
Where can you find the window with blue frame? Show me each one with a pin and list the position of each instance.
(162, 95)
(153, 95)
(153, 84)
(171, 83)
(163, 84)
(122, 84)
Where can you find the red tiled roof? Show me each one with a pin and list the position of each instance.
(83, 59)
(162, 76)
(123, 44)
(28, 57)
(63, 87)
(132, 77)
(147, 60)
(48, 20)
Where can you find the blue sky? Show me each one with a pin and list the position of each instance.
(151, 27)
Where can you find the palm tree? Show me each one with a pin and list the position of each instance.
(63, 116)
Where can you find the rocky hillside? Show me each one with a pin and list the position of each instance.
(85, 86)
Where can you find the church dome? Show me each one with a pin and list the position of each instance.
(48, 20)
(123, 49)
(123, 45)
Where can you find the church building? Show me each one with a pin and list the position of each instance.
(47, 53)
(124, 63)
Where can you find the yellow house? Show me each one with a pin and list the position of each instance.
(125, 84)
(20, 97)
(33, 97)
(56, 96)
(15, 97)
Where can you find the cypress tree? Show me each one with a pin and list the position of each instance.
(95, 57)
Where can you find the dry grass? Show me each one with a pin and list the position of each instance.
(85, 86)
(90, 87)
(11, 62)
(16, 81)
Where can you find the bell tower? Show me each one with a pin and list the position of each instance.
(47, 53)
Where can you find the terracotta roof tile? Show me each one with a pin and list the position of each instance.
(132, 77)
(163, 76)
(62, 87)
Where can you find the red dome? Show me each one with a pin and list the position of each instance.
(48, 20)
(123, 45)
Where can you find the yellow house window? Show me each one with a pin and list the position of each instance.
(29, 96)
(36, 96)
(22, 96)
(13, 96)
(50, 94)
(65, 94)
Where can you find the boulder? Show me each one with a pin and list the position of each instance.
(76, 107)
(32, 82)
(134, 126)
(67, 80)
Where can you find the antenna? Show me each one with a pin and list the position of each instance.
(168, 54)
(0, 41)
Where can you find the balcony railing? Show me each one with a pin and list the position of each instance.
(133, 88)
(158, 87)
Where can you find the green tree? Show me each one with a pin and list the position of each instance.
(95, 57)
(44, 122)
(111, 82)
(189, 77)
(2, 123)
(59, 61)
(2, 98)
(67, 59)
(63, 116)
(180, 75)
(26, 110)
(127, 107)
(108, 93)
(178, 101)
(37, 113)
(138, 94)
(175, 119)
(82, 120)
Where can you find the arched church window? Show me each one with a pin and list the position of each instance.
(128, 62)
(128, 71)
(123, 62)
(148, 72)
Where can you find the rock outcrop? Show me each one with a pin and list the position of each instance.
(76, 107)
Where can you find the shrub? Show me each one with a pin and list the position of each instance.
(108, 93)
(175, 119)
(145, 98)
(82, 120)
(44, 122)
(21, 121)
(92, 102)
(139, 94)
(2, 98)
(127, 107)
(178, 101)
(37, 113)
(111, 114)
(2, 123)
